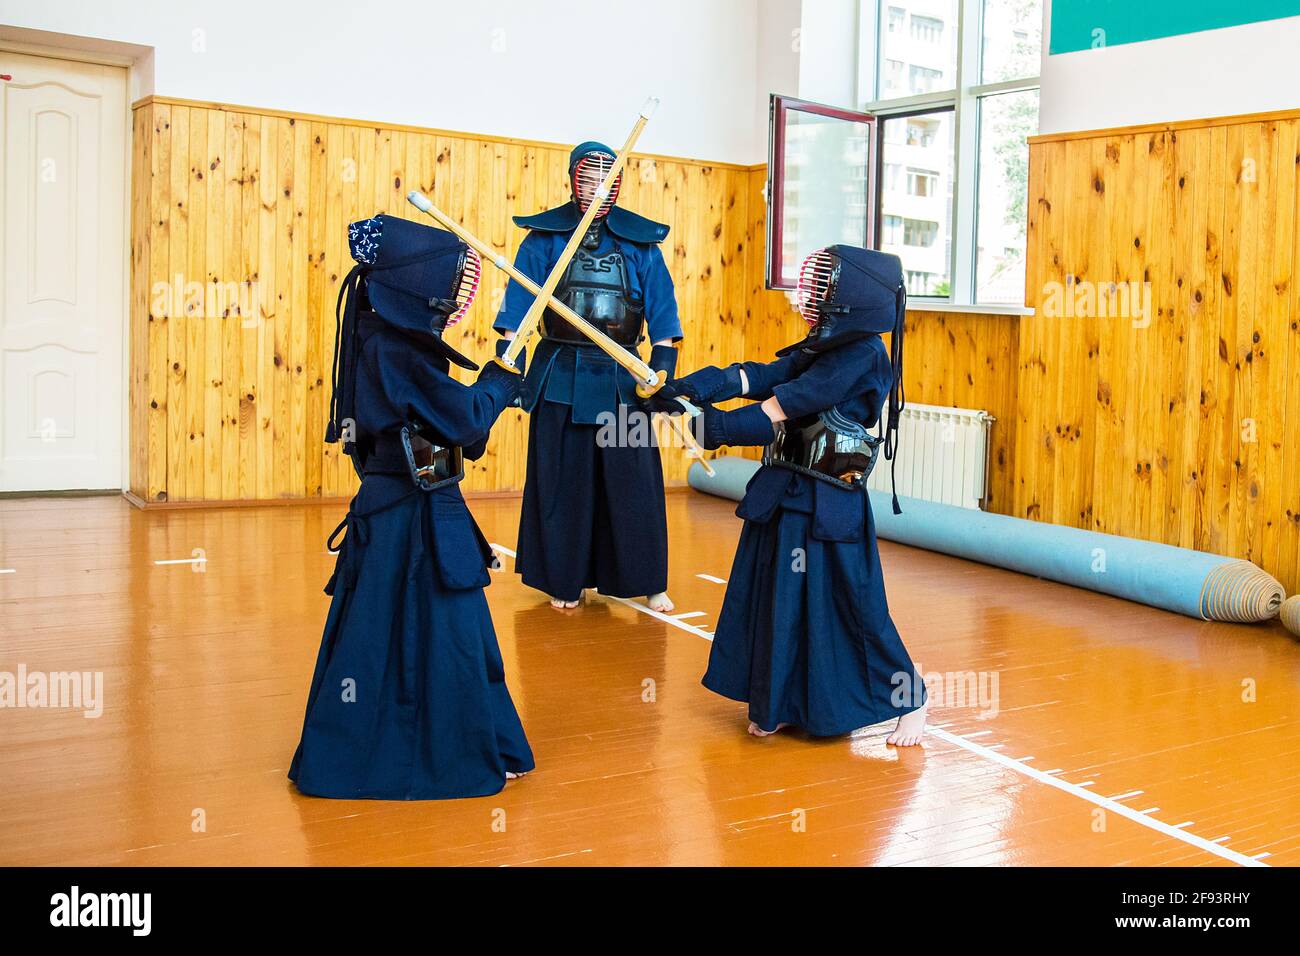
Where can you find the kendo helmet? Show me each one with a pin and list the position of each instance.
(589, 164)
(416, 277)
(846, 293)
(413, 277)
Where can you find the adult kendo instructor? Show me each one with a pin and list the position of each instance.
(593, 510)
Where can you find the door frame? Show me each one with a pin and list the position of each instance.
(137, 62)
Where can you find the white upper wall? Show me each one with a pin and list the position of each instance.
(828, 59)
(780, 37)
(508, 68)
(511, 68)
(1244, 69)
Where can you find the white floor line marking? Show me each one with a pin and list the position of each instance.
(978, 733)
(1221, 840)
(1150, 810)
(1260, 856)
(1086, 783)
(709, 577)
(1125, 796)
(1185, 823)
(1127, 812)
(682, 617)
(636, 606)
(184, 561)
(1057, 770)
(658, 615)
(8, 570)
(966, 743)
(1024, 759)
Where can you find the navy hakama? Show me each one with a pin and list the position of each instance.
(805, 636)
(592, 516)
(593, 513)
(408, 700)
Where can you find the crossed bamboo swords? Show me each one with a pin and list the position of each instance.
(648, 380)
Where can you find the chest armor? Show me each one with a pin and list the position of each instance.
(596, 287)
(828, 446)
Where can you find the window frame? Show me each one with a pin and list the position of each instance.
(779, 106)
(965, 101)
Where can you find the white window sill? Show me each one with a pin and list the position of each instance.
(939, 305)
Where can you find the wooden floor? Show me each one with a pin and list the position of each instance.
(1119, 735)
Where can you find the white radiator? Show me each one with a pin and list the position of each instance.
(943, 455)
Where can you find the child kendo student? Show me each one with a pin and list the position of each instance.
(805, 636)
(409, 700)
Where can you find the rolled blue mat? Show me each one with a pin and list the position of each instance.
(1208, 586)
(732, 474)
(1290, 614)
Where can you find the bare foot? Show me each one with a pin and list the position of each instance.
(561, 605)
(514, 776)
(758, 731)
(910, 729)
(659, 602)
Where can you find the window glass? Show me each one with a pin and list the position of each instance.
(821, 185)
(917, 44)
(892, 230)
(1012, 42)
(1005, 120)
(916, 203)
(918, 48)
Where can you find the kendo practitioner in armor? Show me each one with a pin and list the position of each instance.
(409, 700)
(805, 636)
(593, 511)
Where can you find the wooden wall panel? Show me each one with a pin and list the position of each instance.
(1178, 425)
(239, 248)
(1179, 429)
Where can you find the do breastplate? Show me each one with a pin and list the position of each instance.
(827, 446)
(596, 287)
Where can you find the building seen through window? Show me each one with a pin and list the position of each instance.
(937, 63)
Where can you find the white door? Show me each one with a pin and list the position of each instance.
(62, 286)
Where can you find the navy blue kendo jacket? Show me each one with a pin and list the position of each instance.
(399, 384)
(587, 378)
(854, 378)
